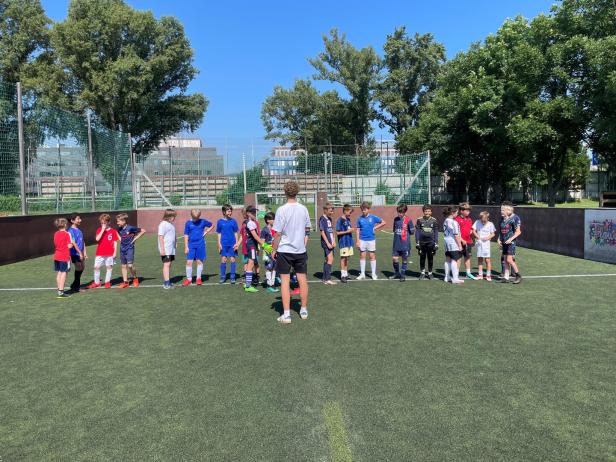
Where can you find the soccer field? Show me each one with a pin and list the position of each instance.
(381, 370)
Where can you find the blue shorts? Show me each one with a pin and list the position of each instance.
(196, 253)
(326, 250)
(400, 253)
(228, 251)
(509, 249)
(127, 256)
(61, 266)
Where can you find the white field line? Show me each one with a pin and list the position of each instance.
(316, 281)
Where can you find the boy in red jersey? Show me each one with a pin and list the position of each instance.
(106, 250)
(62, 242)
(466, 227)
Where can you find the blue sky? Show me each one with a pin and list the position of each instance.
(243, 49)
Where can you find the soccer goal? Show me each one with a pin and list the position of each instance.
(270, 201)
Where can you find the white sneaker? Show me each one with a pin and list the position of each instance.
(374, 277)
(330, 283)
(361, 277)
(302, 314)
(284, 319)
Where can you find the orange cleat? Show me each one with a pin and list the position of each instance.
(186, 282)
(124, 285)
(108, 285)
(93, 285)
(136, 282)
(199, 282)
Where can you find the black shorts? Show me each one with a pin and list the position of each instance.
(427, 248)
(467, 251)
(509, 249)
(75, 259)
(287, 261)
(167, 258)
(454, 254)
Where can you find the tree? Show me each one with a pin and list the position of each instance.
(130, 68)
(357, 71)
(412, 65)
(23, 33)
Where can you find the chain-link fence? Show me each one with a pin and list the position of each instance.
(71, 162)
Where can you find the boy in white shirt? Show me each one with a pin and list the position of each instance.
(483, 232)
(453, 246)
(166, 244)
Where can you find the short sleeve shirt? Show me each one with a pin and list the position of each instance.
(402, 234)
(484, 230)
(466, 225)
(77, 236)
(127, 234)
(61, 240)
(227, 229)
(451, 228)
(167, 231)
(345, 240)
(195, 229)
(325, 225)
(508, 226)
(292, 220)
(366, 227)
(266, 235)
(105, 244)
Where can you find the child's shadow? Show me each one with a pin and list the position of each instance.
(277, 305)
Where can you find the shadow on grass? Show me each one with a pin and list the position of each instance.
(277, 305)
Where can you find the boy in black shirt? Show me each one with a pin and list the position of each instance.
(426, 237)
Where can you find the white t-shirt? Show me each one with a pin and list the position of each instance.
(291, 222)
(451, 228)
(167, 231)
(483, 230)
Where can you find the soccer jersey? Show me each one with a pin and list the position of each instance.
(77, 236)
(167, 231)
(483, 230)
(194, 229)
(105, 244)
(366, 227)
(127, 234)
(403, 230)
(426, 231)
(345, 240)
(451, 228)
(248, 241)
(466, 224)
(267, 235)
(227, 229)
(292, 220)
(325, 225)
(508, 226)
(61, 240)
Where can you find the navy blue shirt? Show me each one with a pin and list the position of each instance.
(266, 235)
(508, 227)
(325, 225)
(346, 240)
(402, 234)
(127, 234)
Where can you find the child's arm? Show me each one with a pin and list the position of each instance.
(206, 231)
(115, 248)
(238, 240)
(326, 239)
(474, 234)
(381, 225)
(516, 234)
(141, 233)
(435, 234)
(161, 244)
(185, 244)
(101, 232)
(219, 243)
(357, 235)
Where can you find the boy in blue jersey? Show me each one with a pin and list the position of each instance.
(267, 235)
(78, 246)
(195, 231)
(228, 242)
(128, 236)
(344, 231)
(403, 230)
(367, 226)
(509, 229)
(328, 243)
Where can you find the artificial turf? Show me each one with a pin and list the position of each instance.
(381, 370)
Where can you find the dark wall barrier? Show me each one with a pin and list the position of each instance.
(31, 236)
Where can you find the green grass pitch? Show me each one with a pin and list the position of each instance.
(380, 371)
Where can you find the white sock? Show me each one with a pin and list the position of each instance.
(362, 267)
(97, 276)
(108, 275)
(455, 272)
(507, 274)
(189, 272)
(199, 271)
(344, 273)
(489, 273)
(447, 267)
(480, 273)
(269, 278)
(373, 266)
(303, 308)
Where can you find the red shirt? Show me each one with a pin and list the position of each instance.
(466, 225)
(61, 240)
(105, 244)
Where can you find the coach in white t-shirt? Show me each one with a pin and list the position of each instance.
(291, 223)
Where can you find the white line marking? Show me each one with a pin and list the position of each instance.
(313, 281)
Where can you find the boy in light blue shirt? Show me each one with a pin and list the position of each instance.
(367, 226)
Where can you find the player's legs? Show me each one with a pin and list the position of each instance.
(362, 264)
(447, 267)
(199, 269)
(132, 270)
(404, 266)
(60, 280)
(232, 269)
(372, 257)
(303, 289)
(124, 272)
(455, 270)
(488, 262)
(395, 262)
(512, 264)
(285, 293)
(79, 267)
(166, 270)
(430, 256)
(223, 268)
(480, 267)
(97, 271)
(422, 258)
(250, 266)
(109, 269)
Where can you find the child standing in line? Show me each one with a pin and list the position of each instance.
(106, 250)
(483, 232)
(78, 246)
(328, 243)
(453, 244)
(166, 245)
(228, 242)
(267, 235)
(195, 231)
(128, 236)
(251, 241)
(344, 231)
(62, 242)
(510, 228)
(426, 241)
(403, 230)
(466, 224)
(367, 226)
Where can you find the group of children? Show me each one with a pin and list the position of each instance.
(460, 236)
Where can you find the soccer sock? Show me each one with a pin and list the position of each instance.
(189, 272)
(199, 271)
(77, 282)
(233, 266)
(447, 266)
(404, 267)
(455, 271)
(248, 278)
(97, 276)
(507, 273)
(373, 266)
(362, 266)
(328, 271)
(396, 267)
(324, 271)
(108, 275)
(269, 278)
(223, 270)
(430, 262)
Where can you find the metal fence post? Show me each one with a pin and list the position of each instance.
(429, 179)
(91, 161)
(22, 159)
(133, 171)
